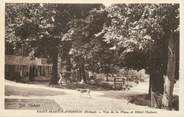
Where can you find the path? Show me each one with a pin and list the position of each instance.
(71, 100)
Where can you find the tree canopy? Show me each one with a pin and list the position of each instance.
(138, 36)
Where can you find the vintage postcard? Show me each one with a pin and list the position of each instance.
(92, 58)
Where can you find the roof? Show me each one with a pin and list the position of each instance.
(24, 60)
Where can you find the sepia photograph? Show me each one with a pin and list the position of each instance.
(92, 57)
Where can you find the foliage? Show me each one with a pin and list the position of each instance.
(113, 36)
(41, 26)
(140, 30)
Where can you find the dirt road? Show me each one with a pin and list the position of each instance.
(72, 99)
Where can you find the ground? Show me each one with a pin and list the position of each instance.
(40, 97)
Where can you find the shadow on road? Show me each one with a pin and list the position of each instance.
(143, 100)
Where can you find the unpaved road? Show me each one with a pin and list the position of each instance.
(73, 100)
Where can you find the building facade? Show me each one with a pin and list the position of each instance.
(26, 68)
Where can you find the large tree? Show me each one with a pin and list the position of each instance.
(85, 43)
(146, 33)
(43, 27)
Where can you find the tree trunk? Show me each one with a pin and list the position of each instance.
(107, 71)
(157, 68)
(68, 69)
(66, 61)
(170, 75)
(107, 76)
(56, 68)
(31, 73)
(156, 88)
(59, 64)
(82, 71)
(149, 91)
